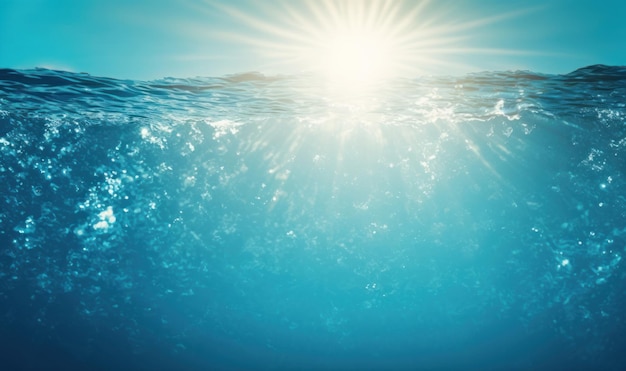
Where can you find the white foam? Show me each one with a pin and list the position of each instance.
(107, 218)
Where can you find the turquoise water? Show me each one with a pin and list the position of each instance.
(251, 222)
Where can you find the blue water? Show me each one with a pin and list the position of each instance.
(475, 222)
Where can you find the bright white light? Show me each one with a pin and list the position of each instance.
(107, 218)
(347, 42)
(356, 40)
(355, 58)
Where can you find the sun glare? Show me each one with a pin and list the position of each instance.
(355, 42)
(355, 58)
(349, 43)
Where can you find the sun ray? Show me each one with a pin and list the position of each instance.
(357, 43)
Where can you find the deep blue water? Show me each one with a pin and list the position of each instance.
(475, 222)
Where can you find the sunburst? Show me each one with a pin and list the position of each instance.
(354, 45)
(355, 42)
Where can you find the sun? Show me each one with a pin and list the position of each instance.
(355, 58)
(346, 42)
(354, 42)
(350, 43)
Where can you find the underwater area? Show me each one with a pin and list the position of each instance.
(473, 222)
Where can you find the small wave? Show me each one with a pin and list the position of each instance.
(598, 73)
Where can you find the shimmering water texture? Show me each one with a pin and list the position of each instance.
(248, 222)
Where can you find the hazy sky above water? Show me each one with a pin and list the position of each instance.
(150, 39)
